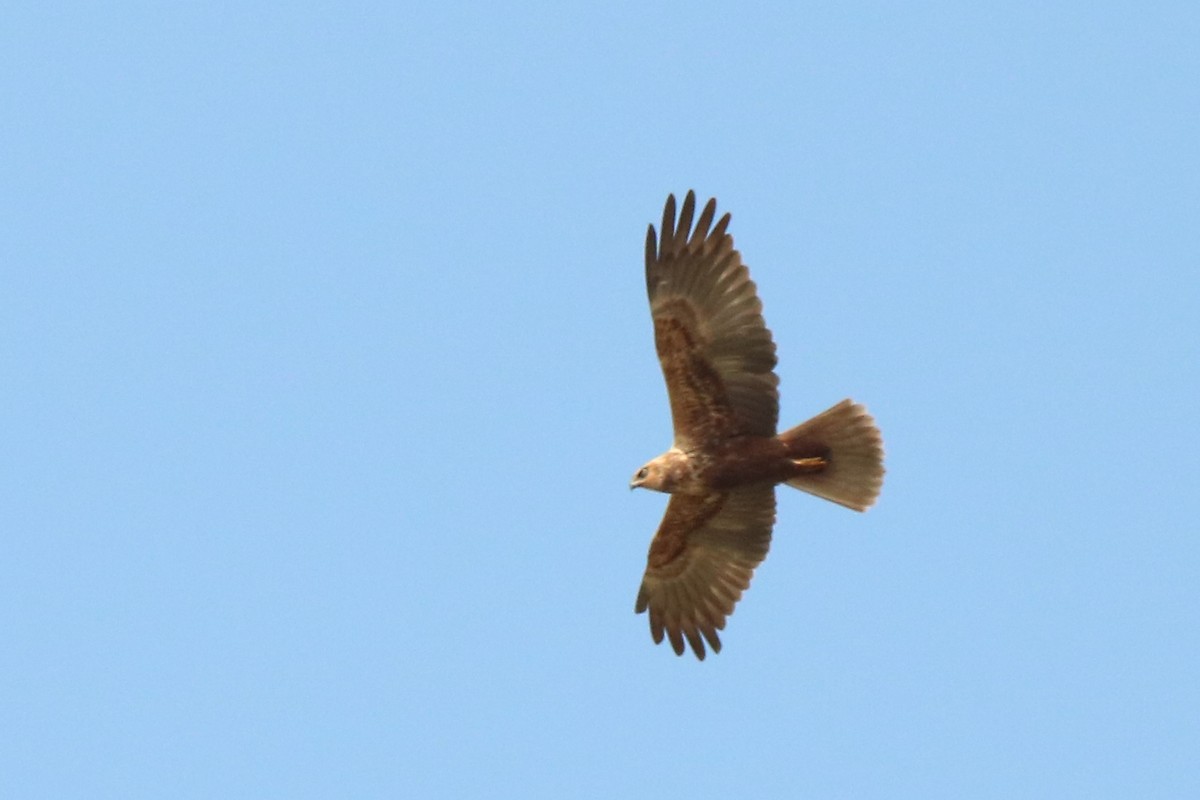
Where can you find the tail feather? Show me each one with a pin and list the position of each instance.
(845, 436)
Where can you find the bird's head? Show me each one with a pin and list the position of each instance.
(657, 475)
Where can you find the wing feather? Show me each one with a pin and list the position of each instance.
(701, 561)
(716, 352)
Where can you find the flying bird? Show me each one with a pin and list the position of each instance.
(718, 359)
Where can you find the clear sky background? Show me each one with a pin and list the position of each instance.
(326, 361)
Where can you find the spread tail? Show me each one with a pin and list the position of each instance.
(839, 456)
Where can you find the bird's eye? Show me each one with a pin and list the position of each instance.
(643, 472)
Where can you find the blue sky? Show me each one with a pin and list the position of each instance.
(326, 361)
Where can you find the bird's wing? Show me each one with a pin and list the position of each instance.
(716, 352)
(701, 561)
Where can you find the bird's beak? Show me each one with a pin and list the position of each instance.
(633, 484)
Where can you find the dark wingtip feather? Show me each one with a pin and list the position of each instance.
(695, 641)
(719, 231)
(685, 216)
(651, 257)
(676, 637)
(668, 224)
(706, 218)
(656, 627)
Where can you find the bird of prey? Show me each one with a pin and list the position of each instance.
(719, 360)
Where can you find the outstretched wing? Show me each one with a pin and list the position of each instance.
(701, 561)
(716, 352)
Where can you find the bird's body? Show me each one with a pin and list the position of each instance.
(718, 360)
(727, 464)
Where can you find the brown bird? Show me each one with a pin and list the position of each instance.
(719, 359)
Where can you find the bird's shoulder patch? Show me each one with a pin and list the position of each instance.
(699, 400)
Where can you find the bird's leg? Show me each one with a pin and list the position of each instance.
(808, 465)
